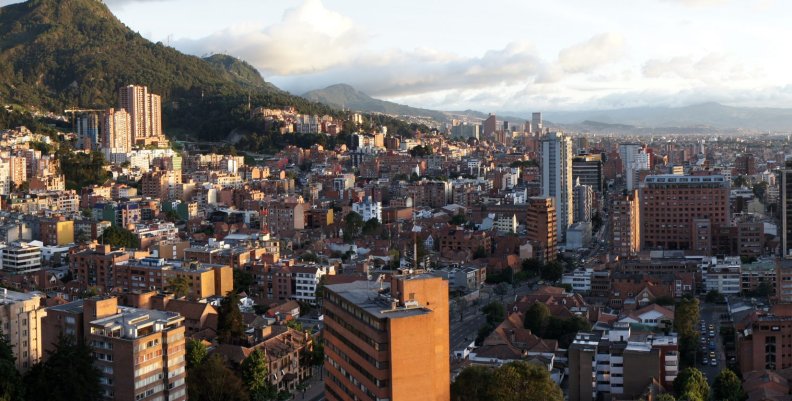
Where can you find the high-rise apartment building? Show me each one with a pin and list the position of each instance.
(145, 112)
(634, 158)
(583, 202)
(139, 352)
(557, 178)
(20, 323)
(677, 210)
(541, 226)
(88, 130)
(625, 224)
(387, 340)
(116, 131)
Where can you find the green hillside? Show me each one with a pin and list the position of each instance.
(56, 54)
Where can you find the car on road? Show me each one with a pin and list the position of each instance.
(712, 354)
(712, 345)
(714, 362)
(712, 333)
(705, 361)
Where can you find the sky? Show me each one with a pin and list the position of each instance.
(496, 55)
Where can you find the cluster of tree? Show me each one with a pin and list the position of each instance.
(67, 374)
(511, 382)
(421, 151)
(714, 297)
(542, 323)
(243, 280)
(81, 169)
(692, 385)
(119, 237)
(686, 317)
(495, 313)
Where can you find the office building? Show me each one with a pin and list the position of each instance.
(588, 169)
(677, 211)
(618, 363)
(536, 123)
(634, 158)
(541, 227)
(138, 352)
(387, 340)
(763, 340)
(625, 224)
(583, 202)
(490, 125)
(20, 323)
(557, 178)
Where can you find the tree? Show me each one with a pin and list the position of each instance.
(243, 279)
(536, 318)
(691, 383)
(472, 384)
(458, 220)
(552, 271)
(196, 353)
(665, 397)
(713, 296)
(686, 317)
(119, 237)
(521, 381)
(353, 224)
(10, 381)
(727, 387)
(67, 374)
(371, 226)
(230, 326)
(254, 372)
(480, 253)
(179, 286)
(495, 312)
(214, 381)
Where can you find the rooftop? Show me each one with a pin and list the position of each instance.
(367, 296)
(8, 297)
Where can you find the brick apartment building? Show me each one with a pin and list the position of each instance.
(387, 344)
(541, 225)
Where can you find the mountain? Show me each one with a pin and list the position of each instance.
(345, 96)
(56, 54)
(705, 115)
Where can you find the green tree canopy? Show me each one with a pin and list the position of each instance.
(67, 375)
(691, 383)
(10, 381)
(536, 318)
(243, 280)
(119, 237)
(179, 286)
(254, 372)
(520, 381)
(686, 317)
(196, 353)
(473, 384)
(214, 381)
(727, 387)
(230, 326)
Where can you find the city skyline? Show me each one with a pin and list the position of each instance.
(569, 55)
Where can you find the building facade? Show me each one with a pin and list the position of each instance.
(20, 323)
(557, 178)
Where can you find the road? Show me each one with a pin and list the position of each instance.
(710, 313)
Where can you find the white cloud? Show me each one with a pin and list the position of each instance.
(309, 38)
(697, 3)
(711, 67)
(584, 57)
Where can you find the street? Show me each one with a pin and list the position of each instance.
(710, 314)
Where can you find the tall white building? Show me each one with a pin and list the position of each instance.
(557, 178)
(634, 158)
(145, 111)
(21, 257)
(584, 201)
(368, 209)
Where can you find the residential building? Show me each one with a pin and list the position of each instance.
(306, 278)
(722, 275)
(625, 224)
(20, 257)
(139, 352)
(619, 364)
(541, 226)
(56, 231)
(20, 323)
(785, 229)
(387, 341)
(676, 210)
(588, 169)
(579, 280)
(94, 267)
(116, 132)
(583, 202)
(149, 274)
(145, 112)
(557, 178)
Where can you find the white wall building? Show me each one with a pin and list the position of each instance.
(722, 275)
(21, 257)
(580, 280)
(557, 178)
(368, 209)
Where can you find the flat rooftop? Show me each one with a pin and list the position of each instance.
(9, 297)
(367, 296)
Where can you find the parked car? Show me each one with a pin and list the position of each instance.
(714, 362)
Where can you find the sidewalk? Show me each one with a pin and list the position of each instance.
(315, 391)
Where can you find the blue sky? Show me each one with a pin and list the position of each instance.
(516, 55)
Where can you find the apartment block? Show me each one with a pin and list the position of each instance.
(20, 257)
(139, 352)
(388, 340)
(541, 225)
(619, 364)
(56, 231)
(625, 219)
(94, 267)
(149, 274)
(20, 323)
